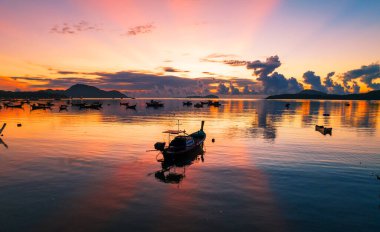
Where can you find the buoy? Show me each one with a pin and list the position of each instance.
(213, 140)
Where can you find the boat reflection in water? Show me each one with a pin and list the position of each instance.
(174, 169)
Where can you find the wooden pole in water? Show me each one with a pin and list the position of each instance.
(2, 128)
(203, 123)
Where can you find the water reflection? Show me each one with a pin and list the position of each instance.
(173, 171)
(86, 170)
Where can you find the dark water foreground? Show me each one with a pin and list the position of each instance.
(268, 170)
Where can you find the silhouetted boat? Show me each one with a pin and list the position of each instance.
(78, 104)
(62, 107)
(187, 103)
(216, 104)
(326, 114)
(39, 107)
(154, 104)
(198, 105)
(95, 106)
(133, 107)
(11, 105)
(124, 103)
(323, 130)
(182, 144)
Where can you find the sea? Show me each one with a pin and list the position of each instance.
(263, 167)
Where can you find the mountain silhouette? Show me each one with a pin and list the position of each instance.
(75, 91)
(87, 91)
(313, 94)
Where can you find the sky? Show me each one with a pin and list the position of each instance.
(180, 47)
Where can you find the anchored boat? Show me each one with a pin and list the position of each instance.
(182, 144)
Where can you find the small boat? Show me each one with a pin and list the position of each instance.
(323, 130)
(182, 144)
(92, 106)
(326, 114)
(39, 107)
(154, 104)
(187, 103)
(11, 105)
(25, 102)
(216, 104)
(198, 105)
(124, 103)
(78, 104)
(133, 107)
(62, 107)
(347, 104)
(49, 103)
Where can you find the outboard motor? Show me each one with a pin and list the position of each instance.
(160, 146)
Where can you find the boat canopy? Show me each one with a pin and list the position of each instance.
(174, 132)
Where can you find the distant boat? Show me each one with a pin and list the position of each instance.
(216, 104)
(133, 107)
(323, 130)
(198, 105)
(11, 105)
(347, 104)
(124, 103)
(182, 144)
(95, 106)
(78, 104)
(39, 107)
(326, 114)
(62, 107)
(154, 104)
(187, 103)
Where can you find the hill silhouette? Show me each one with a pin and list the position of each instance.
(313, 94)
(88, 91)
(75, 91)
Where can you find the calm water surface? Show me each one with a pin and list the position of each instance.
(268, 170)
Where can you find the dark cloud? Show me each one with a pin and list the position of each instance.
(310, 78)
(233, 89)
(367, 75)
(74, 28)
(265, 68)
(273, 83)
(171, 69)
(246, 90)
(222, 88)
(277, 83)
(141, 29)
(229, 59)
(328, 81)
(355, 87)
(209, 73)
(235, 62)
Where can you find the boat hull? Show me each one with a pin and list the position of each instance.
(175, 154)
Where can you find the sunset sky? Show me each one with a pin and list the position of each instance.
(154, 47)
